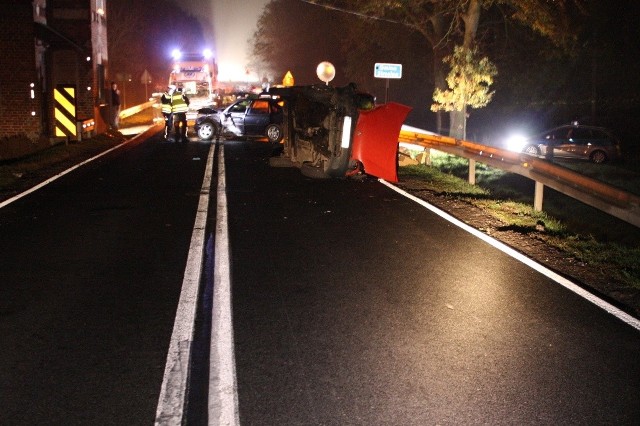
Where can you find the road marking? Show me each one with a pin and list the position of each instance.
(173, 393)
(223, 387)
(621, 315)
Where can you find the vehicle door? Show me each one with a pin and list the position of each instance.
(234, 117)
(553, 140)
(257, 117)
(563, 144)
(580, 141)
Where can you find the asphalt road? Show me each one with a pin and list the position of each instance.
(355, 306)
(352, 305)
(92, 266)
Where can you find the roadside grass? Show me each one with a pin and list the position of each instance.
(585, 233)
(442, 182)
(14, 172)
(621, 174)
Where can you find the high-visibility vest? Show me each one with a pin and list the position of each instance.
(166, 103)
(178, 103)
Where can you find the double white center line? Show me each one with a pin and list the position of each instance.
(223, 395)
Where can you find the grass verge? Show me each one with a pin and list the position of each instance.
(589, 237)
(12, 172)
(18, 173)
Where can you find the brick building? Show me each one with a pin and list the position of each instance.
(54, 62)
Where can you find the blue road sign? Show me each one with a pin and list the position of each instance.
(387, 71)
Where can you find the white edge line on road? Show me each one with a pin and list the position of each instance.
(223, 388)
(618, 313)
(173, 393)
(69, 170)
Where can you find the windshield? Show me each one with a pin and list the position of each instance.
(196, 89)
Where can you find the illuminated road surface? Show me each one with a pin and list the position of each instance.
(351, 304)
(355, 305)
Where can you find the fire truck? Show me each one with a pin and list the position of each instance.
(197, 75)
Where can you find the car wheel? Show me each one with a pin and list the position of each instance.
(207, 130)
(531, 150)
(598, 157)
(274, 133)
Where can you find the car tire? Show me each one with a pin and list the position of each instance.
(598, 157)
(207, 130)
(274, 133)
(531, 150)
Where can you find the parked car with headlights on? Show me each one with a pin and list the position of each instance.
(574, 141)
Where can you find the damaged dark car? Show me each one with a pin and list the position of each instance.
(247, 117)
(335, 132)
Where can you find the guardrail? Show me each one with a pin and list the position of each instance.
(597, 194)
(136, 109)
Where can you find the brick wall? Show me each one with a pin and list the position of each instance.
(36, 58)
(19, 113)
(70, 67)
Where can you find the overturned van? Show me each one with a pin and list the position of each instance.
(334, 132)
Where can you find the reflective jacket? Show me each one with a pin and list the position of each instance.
(166, 103)
(179, 102)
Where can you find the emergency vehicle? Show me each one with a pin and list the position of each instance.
(197, 75)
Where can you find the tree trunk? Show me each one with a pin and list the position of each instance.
(471, 19)
(439, 83)
(458, 124)
(438, 46)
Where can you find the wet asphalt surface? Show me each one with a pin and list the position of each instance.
(351, 305)
(355, 306)
(92, 266)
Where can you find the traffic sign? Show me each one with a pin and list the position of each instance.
(382, 70)
(288, 80)
(145, 78)
(65, 110)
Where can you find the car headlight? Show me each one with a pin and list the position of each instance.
(515, 143)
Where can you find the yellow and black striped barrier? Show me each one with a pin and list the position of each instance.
(65, 111)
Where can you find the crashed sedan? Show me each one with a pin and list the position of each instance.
(247, 117)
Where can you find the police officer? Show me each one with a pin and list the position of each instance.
(166, 110)
(179, 108)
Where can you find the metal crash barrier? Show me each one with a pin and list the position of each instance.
(597, 194)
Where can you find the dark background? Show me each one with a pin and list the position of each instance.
(538, 85)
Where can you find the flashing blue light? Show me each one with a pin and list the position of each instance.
(176, 54)
(207, 53)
